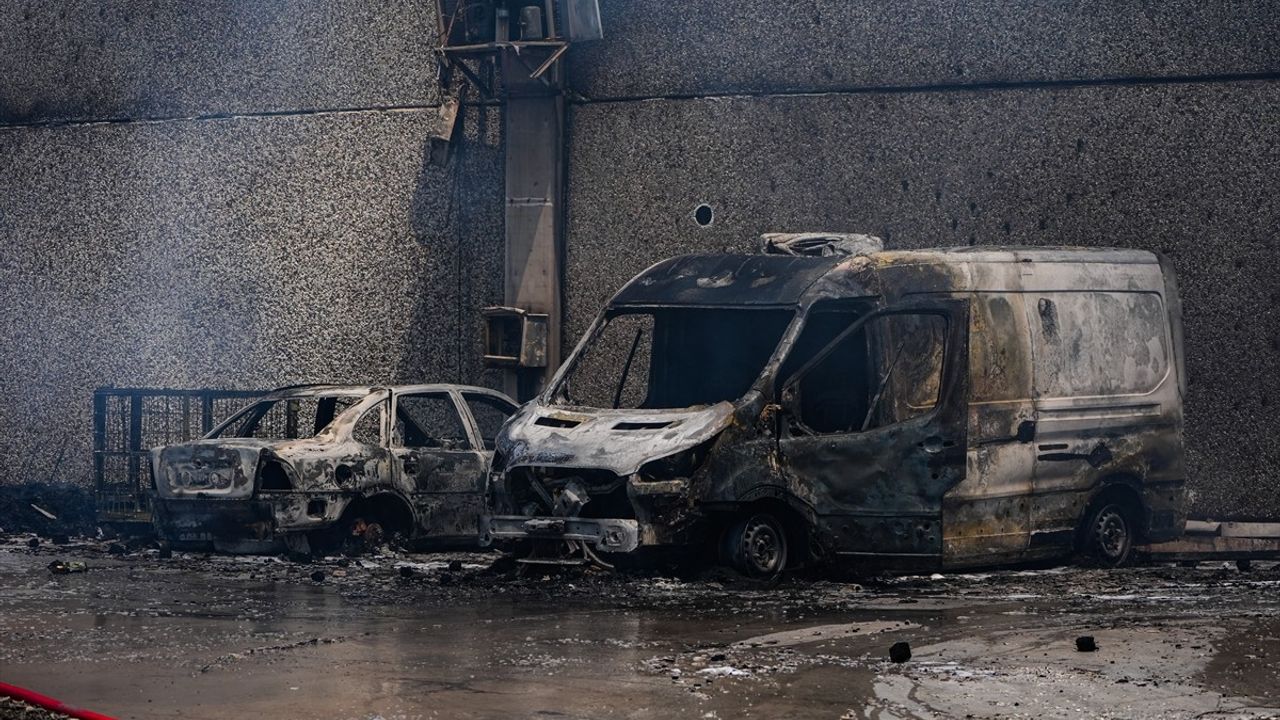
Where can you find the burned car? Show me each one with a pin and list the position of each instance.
(323, 467)
(904, 410)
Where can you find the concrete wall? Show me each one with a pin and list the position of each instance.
(307, 237)
(97, 59)
(1148, 125)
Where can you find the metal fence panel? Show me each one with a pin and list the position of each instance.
(128, 422)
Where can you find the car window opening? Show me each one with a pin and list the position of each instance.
(295, 418)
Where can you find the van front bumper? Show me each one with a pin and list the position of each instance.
(603, 534)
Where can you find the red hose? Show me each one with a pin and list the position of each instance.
(31, 697)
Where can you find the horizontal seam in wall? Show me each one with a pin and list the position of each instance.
(993, 86)
(214, 117)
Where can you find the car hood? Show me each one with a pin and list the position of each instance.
(619, 441)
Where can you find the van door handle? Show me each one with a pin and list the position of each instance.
(411, 464)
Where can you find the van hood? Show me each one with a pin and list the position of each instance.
(619, 441)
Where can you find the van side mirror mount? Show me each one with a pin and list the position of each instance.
(790, 397)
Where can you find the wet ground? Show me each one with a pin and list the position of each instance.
(426, 636)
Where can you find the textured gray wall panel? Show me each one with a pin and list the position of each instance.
(689, 48)
(1189, 170)
(140, 58)
(239, 253)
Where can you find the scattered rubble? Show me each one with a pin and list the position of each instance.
(61, 567)
(13, 709)
(47, 509)
(717, 641)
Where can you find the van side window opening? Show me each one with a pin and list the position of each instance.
(1098, 343)
(912, 354)
(833, 394)
(888, 371)
(489, 413)
(999, 358)
(673, 357)
(429, 421)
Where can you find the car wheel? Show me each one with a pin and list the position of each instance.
(1109, 539)
(756, 546)
(363, 536)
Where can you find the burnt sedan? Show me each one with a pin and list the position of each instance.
(319, 468)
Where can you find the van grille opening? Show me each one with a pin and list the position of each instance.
(642, 425)
(606, 492)
(555, 422)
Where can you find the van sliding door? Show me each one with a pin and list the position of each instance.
(986, 518)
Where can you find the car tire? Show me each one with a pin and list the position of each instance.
(756, 546)
(1110, 535)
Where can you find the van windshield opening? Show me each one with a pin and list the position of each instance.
(672, 357)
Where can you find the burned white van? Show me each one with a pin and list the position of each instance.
(908, 409)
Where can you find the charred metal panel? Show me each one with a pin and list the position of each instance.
(725, 279)
(594, 440)
(989, 513)
(880, 491)
(210, 521)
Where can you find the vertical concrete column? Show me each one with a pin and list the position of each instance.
(534, 226)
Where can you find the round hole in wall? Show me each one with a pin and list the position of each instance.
(704, 215)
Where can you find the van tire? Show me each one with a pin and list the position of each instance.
(756, 546)
(1109, 535)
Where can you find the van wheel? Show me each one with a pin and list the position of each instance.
(756, 546)
(1109, 539)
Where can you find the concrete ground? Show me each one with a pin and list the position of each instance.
(138, 636)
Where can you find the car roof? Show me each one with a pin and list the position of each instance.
(318, 389)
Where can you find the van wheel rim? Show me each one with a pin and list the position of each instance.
(1112, 533)
(763, 546)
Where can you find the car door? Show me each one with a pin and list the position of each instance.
(437, 462)
(874, 430)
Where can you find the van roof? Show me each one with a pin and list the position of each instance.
(726, 279)
(773, 280)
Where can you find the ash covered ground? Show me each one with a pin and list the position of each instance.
(405, 636)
